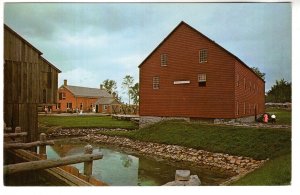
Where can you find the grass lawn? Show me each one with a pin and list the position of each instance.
(283, 116)
(275, 172)
(252, 142)
(262, 143)
(85, 122)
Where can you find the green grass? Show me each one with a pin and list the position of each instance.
(283, 117)
(85, 122)
(262, 143)
(251, 142)
(275, 172)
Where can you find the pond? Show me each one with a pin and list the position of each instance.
(125, 168)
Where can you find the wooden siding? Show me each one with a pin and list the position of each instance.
(23, 67)
(216, 100)
(251, 92)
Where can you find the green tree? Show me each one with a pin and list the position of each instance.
(280, 92)
(127, 85)
(110, 85)
(258, 72)
(134, 92)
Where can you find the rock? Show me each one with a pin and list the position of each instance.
(232, 161)
(182, 175)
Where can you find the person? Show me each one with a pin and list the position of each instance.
(266, 118)
(273, 118)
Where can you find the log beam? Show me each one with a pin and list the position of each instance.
(45, 164)
(15, 134)
(26, 145)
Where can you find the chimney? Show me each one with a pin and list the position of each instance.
(101, 86)
(114, 94)
(65, 82)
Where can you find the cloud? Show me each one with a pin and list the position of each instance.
(111, 39)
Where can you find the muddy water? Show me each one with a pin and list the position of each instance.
(120, 168)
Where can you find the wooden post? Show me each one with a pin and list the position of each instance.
(18, 130)
(42, 148)
(88, 165)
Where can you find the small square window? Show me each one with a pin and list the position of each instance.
(163, 59)
(155, 82)
(202, 80)
(203, 55)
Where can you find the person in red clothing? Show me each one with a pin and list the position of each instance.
(266, 118)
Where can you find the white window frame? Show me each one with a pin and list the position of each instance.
(164, 59)
(202, 79)
(203, 55)
(68, 105)
(155, 82)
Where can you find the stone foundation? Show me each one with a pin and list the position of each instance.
(149, 120)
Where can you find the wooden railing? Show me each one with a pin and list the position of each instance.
(14, 142)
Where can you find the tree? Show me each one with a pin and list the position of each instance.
(110, 85)
(127, 85)
(134, 92)
(259, 73)
(280, 92)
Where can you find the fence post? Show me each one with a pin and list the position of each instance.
(88, 165)
(42, 148)
(19, 130)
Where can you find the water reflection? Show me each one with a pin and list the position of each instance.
(118, 168)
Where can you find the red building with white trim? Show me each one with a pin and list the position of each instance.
(85, 99)
(189, 75)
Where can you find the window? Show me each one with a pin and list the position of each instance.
(105, 107)
(237, 108)
(81, 106)
(62, 96)
(250, 86)
(237, 80)
(156, 82)
(69, 105)
(203, 55)
(58, 106)
(164, 59)
(202, 80)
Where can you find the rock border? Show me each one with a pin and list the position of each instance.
(238, 166)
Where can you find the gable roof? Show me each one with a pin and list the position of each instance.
(30, 45)
(87, 92)
(107, 101)
(210, 40)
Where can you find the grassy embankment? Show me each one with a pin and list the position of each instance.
(258, 143)
(283, 117)
(85, 122)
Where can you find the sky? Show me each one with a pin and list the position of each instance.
(91, 42)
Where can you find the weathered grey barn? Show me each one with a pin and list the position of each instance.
(29, 81)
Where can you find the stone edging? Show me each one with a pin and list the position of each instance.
(237, 165)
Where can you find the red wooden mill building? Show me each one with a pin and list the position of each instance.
(189, 76)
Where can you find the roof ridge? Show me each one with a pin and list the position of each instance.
(83, 87)
(197, 31)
